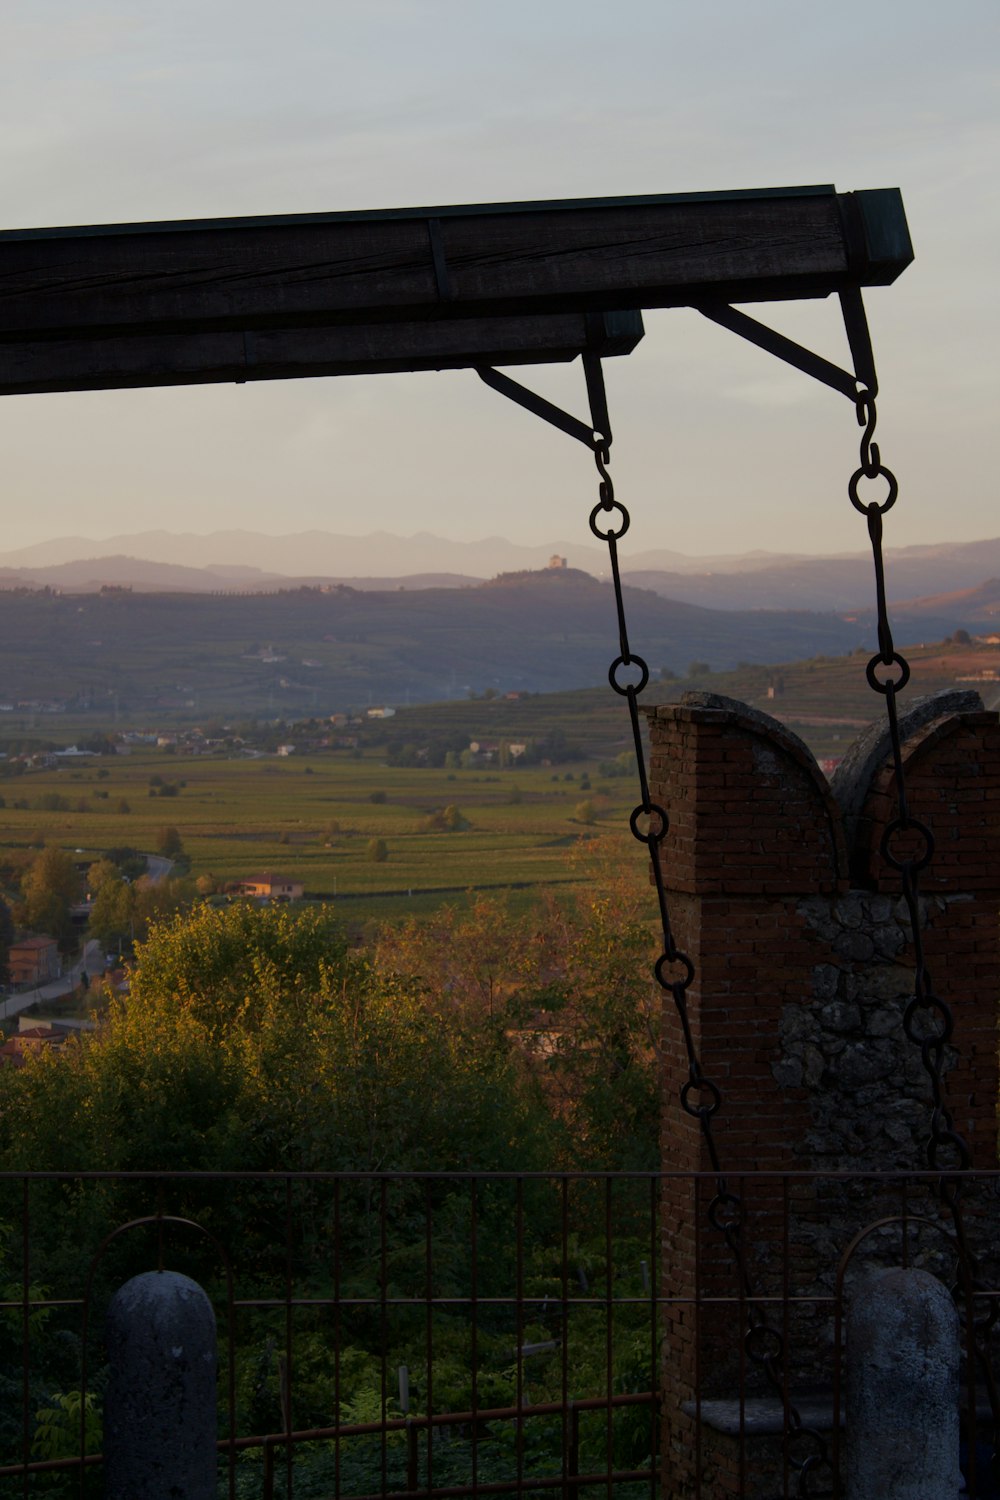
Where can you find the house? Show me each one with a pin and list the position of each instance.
(286, 750)
(270, 887)
(34, 960)
(33, 1039)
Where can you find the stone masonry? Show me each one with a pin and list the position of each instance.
(803, 965)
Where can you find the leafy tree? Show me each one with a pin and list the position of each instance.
(571, 982)
(112, 912)
(214, 956)
(378, 851)
(49, 889)
(586, 812)
(100, 871)
(6, 938)
(699, 669)
(131, 863)
(168, 843)
(253, 1038)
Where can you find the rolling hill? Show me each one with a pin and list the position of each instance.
(329, 648)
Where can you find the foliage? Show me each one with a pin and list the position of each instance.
(168, 843)
(569, 984)
(446, 820)
(6, 938)
(254, 1038)
(57, 1426)
(112, 912)
(49, 888)
(378, 851)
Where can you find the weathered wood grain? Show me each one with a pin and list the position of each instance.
(132, 286)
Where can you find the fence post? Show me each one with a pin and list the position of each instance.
(159, 1423)
(902, 1389)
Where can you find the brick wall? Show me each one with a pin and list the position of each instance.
(803, 964)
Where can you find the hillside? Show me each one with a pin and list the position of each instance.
(333, 648)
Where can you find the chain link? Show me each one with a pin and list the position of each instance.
(700, 1096)
(907, 846)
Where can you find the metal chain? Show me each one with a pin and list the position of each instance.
(700, 1097)
(907, 846)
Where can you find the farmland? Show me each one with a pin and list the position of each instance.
(315, 820)
(316, 815)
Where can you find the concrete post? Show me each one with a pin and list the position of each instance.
(902, 1389)
(159, 1424)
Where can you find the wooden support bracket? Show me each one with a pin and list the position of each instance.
(432, 288)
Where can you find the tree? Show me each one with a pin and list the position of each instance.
(112, 910)
(570, 985)
(699, 669)
(586, 812)
(213, 957)
(100, 871)
(50, 888)
(168, 843)
(6, 938)
(378, 851)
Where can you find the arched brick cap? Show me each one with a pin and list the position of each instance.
(750, 810)
(951, 762)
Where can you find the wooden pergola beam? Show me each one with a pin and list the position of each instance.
(318, 294)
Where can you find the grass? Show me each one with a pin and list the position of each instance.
(237, 817)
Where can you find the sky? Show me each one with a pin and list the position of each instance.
(132, 110)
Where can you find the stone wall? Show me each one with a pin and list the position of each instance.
(803, 960)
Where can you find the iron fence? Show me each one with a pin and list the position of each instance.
(464, 1334)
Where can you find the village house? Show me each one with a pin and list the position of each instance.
(34, 960)
(270, 887)
(33, 1039)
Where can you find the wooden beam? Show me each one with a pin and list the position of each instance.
(427, 277)
(149, 359)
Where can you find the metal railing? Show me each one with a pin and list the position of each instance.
(463, 1334)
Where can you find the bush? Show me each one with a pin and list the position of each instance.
(378, 796)
(378, 851)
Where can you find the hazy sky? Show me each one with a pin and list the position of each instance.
(132, 110)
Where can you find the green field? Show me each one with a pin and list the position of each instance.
(238, 817)
(313, 815)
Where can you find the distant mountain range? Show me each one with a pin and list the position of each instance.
(333, 648)
(935, 578)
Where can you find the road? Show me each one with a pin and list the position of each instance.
(91, 962)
